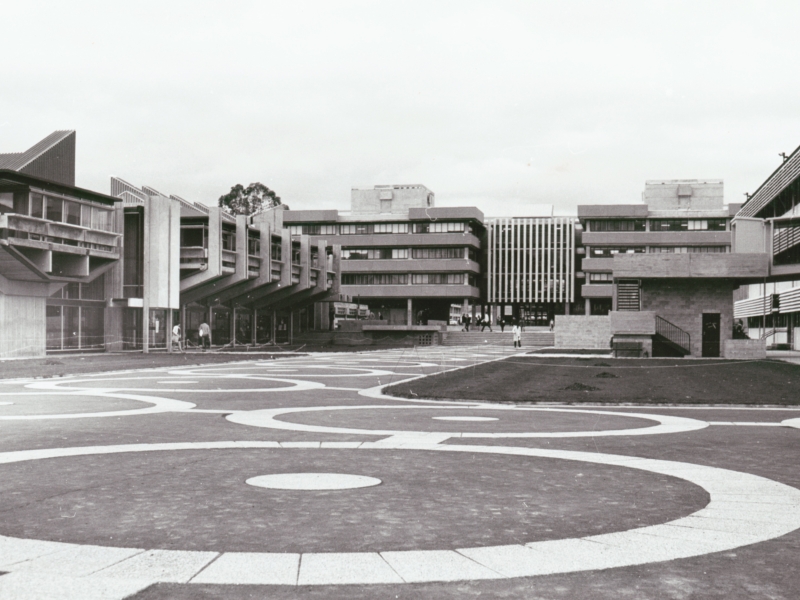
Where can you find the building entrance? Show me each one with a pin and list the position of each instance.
(711, 335)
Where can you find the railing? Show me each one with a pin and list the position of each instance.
(768, 333)
(673, 333)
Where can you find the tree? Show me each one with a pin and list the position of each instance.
(248, 200)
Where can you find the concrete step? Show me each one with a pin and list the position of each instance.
(496, 338)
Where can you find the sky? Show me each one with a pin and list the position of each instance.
(500, 105)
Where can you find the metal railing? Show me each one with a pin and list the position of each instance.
(674, 334)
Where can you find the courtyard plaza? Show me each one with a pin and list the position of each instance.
(299, 477)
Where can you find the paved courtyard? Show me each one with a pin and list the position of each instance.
(296, 477)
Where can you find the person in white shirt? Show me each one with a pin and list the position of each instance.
(516, 333)
(176, 336)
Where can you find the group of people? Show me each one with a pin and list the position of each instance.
(204, 331)
(485, 321)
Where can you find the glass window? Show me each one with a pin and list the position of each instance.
(600, 277)
(616, 225)
(54, 209)
(6, 202)
(53, 327)
(390, 228)
(441, 227)
(101, 219)
(597, 252)
(437, 278)
(374, 278)
(437, 253)
(86, 216)
(253, 245)
(21, 203)
(94, 290)
(229, 241)
(72, 213)
(37, 206)
(295, 229)
(275, 250)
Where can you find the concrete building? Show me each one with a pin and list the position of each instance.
(664, 269)
(243, 275)
(531, 266)
(401, 255)
(769, 223)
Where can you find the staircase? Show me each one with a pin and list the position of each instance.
(670, 340)
(529, 339)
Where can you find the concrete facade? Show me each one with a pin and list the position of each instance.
(580, 331)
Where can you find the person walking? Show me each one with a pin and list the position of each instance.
(205, 335)
(176, 337)
(516, 333)
(486, 321)
(552, 324)
(502, 322)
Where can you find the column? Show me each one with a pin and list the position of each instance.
(410, 313)
(588, 308)
(168, 331)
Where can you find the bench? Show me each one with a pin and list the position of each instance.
(627, 349)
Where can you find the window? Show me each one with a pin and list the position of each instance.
(355, 229)
(374, 253)
(229, 240)
(275, 250)
(253, 245)
(374, 278)
(441, 227)
(687, 225)
(437, 253)
(600, 277)
(6, 202)
(86, 216)
(54, 209)
(616, 225)
(390, 227)
(437, 278)
(605, 252)
(101, 219)
(72, 213)
(193, 237)
(295, 256)
(312, 229)
(689, 249)
(37, 206)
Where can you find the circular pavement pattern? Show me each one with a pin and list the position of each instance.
(743, 509)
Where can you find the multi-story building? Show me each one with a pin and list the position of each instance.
(531, 266)
(684, 216)
(769, 222)
(401, 255)
(664, 269)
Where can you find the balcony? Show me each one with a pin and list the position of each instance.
(47, 250)
(193, 258)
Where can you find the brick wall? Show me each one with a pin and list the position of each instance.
(744, 349)
(683, 302)
(582, 331)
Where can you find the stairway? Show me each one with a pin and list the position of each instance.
(670, 340)
(529, 339)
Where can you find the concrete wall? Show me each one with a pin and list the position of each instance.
(23, 326)
(670, 266)
(744, 349)
(163, 227)
(749, 236)
(691, 194)
(682, 302)
(402, 198)
(633, 322)
(579, 331)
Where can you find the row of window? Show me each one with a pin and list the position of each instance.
(55, 209)
(94, 290)
(400, 253)
(602, 252)
(402, 278)
(379, 228)
(597, 225)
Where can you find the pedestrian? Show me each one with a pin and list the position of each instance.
(176, 337)
(552, 324)
(463, 321)
(517, 335)
(486, 322)
(331, 316)
(468, 321)
(205, 335)
(502, 322)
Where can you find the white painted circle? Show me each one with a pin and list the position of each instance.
(312, 481)
(465, 418)
(743, 509)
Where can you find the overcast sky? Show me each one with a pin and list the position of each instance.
(491, 104)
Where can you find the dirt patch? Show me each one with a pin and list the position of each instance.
(606, 375)
(580, 387)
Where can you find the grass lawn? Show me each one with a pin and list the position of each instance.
(606, 380)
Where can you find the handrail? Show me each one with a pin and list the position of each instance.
(673, 333)
(769, 333)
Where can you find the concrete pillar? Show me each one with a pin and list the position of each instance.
(253, 326)
(233, 327)
(566, 308)
(410, 313)
(588, 306)
(168, 331)
(274, 326)
(184, 333)
(291, 325)
(210, 321)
